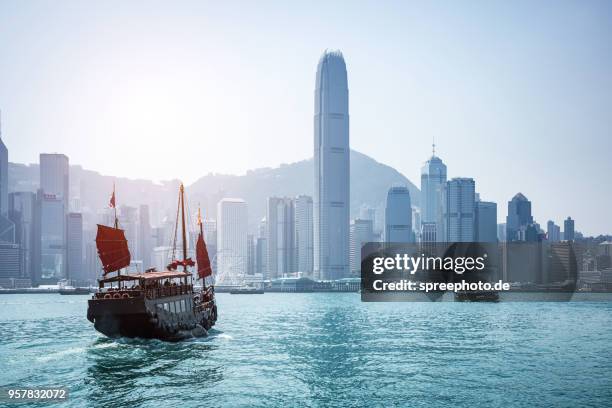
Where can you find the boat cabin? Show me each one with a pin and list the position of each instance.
(152, 285)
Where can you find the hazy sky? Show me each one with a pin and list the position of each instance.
(517, 94)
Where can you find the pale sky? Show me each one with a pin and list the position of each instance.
(517, 94)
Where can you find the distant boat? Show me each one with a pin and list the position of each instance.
(162, 305)
(247, 290)
(477, 296)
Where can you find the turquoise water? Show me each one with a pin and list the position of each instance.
(321, 350)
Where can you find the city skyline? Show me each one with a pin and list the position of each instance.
(503, 101)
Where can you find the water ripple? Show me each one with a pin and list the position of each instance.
(321, 350)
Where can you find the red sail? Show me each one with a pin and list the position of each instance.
(112, 248)
(204, 268)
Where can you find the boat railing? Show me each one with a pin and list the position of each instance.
(166, 291)
(150, 293)
(124, 293)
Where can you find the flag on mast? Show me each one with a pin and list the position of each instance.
(112, 199)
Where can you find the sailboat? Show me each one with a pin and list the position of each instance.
(153, 304)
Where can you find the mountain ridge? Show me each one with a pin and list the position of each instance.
(370, 181)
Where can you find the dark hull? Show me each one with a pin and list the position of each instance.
(145, 318)
(479, 296)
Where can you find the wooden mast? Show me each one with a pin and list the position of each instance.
(182, 198)
(116, 226)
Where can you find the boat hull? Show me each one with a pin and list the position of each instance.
(144, 318)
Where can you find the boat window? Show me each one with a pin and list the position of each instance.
(166, 307)
(159, 305)
(183, 305)
(172, 307)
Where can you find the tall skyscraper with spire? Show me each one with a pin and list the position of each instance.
(433, 182)
(332, 169)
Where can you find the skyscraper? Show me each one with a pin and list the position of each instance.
(485, 228)
(232, 225)
(22, 206)
(459, 210)
(262, 249)
(568, 229)
(144, 235)
(54, 203)
(210, 235)
(398, 216)
(3, 176)
(519, 217)
(54, 176)
(433, 183)
(50, 226)
(10, 267)
(553, 231)
(128, 221)
(74, 248)
(362, 231)
(281, 237)
(251, 254)
(304, 234)
(332, 169)
(501, 232)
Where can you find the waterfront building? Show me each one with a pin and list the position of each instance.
(145, 237)
(568, 229)
(304, 234)
(250, 254)
(553, 231)
(50, 251)
(54, 177)
(10, 267)
(232, 227)
(93, 265)
(22, 206)
(261, 257)
(128, 221)
(281, 236)
(210, 236)
(433, 183)
(54, 200)
(460, 210)
(501, 232)
(74, 248)
(331, 169)
(361, 232)
(485, 228)
(4, 206)
(519, 217)
(398, 215)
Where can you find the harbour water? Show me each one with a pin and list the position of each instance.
(320, 349)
